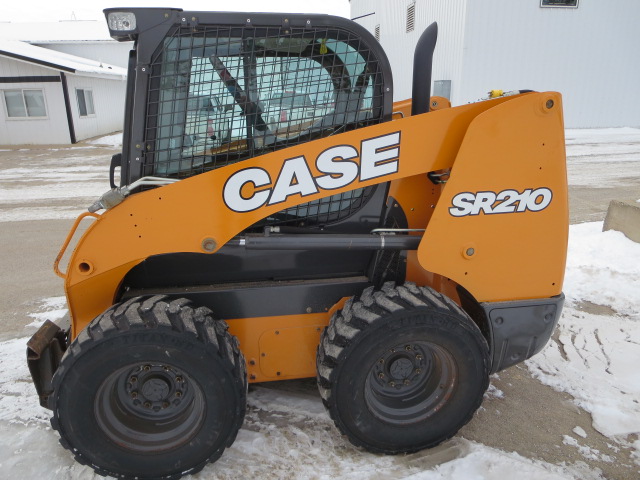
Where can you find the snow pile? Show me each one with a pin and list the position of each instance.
(114, 140)
(595, 357)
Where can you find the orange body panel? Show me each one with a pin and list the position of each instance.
(505, 256)
(494, 145)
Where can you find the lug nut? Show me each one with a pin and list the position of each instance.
(418, 357)
(407, 382)
(178, 394)
(418, 371)
(146, 368)
(165, 404)
(392, 384)
(408, 348)
(133, 379)
(134, 394)
(381, 375)
(147, 404)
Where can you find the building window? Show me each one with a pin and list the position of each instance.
(411, 17)
(559, 3)
(25, 103)
(85, 102)
(377, 32)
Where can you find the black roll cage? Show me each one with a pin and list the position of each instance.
(154, 24)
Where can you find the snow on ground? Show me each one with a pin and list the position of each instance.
(594, 357)
(587, 148)
(114, 140)
(41, 186)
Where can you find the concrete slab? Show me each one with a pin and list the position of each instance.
(623, 217)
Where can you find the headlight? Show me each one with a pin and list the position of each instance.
(121, 21)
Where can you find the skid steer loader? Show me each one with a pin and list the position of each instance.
(400, 253)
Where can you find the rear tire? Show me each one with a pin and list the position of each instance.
(150, 389)
(401, 369)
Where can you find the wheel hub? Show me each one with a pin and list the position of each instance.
(410, 382)
(147, 406)
(150, 389)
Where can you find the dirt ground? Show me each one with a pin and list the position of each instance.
(529, 419)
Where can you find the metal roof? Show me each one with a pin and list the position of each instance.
(47, 58)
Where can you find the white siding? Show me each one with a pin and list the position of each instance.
(589, 54)
(51, 130)
(108, 100)
(399, 45)
(111, 52)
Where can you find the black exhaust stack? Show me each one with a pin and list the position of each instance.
(422, 63)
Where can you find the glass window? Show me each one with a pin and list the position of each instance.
(85, 102)
(25, 103)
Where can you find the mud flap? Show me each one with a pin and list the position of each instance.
(44, 352)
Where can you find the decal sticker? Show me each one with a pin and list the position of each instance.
(506, 201)
(251, 188)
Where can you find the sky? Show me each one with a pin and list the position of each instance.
(48, 11)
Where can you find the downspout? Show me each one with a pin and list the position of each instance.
(67, 106)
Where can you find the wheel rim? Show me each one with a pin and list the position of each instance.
(149, 407)
(410, 382)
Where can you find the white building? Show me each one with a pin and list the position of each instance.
(587, 49)
(60, 82)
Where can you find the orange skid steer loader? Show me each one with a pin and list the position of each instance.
(400, 253)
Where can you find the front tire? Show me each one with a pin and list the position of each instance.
(150, 389)
(401, 369)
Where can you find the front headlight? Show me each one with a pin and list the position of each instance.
(121, 21)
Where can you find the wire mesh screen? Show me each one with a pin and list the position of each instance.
(219, 95)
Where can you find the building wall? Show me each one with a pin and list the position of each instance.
(108, 98)
(50, 130)
(589, 53)
(399, 45)
(111, 52)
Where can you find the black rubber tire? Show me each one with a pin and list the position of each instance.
(150, 389)
(401, 369)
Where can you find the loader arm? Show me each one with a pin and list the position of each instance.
(510, 144)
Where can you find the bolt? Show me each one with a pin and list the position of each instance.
(146, 368)
(407, 348)
(381, 361)
(407, 382)
(147, 404)
(252, 377)
(392, 384)
(418, 371)
(499, 320)
(208, 244)
(278, 373)
(393, 350)
(381, 375)
(165, 404)
(178, 394)
(550, 104)
(165, 368)
(252, 362)
(309, 310)
(418, 357)
(133, 379)
(470, 251)
(178, 379)
(134, 394)
(277, 332)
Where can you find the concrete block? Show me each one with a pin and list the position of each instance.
(625, 218)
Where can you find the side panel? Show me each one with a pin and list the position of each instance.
(500, 228)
